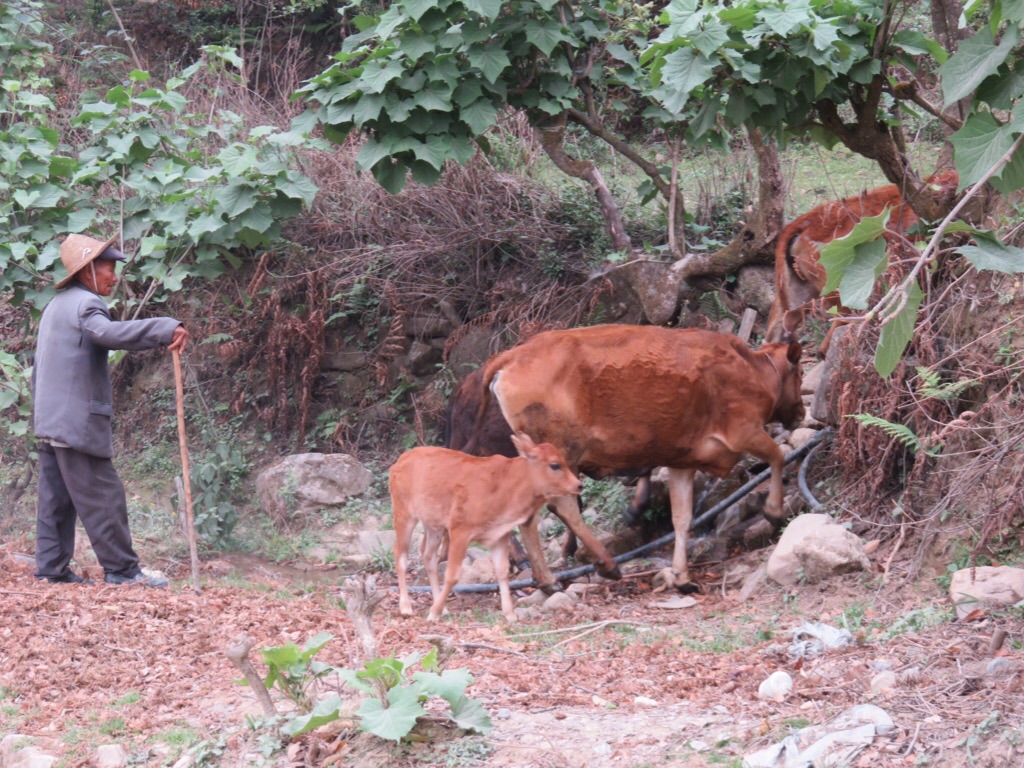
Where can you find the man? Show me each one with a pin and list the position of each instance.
(73, 414)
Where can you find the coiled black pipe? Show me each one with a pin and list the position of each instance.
(583, 570)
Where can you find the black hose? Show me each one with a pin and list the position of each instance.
(801, 480)
(583, 570)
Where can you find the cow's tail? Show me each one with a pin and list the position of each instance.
(490, 374)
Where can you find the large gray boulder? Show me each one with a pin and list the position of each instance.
(308, 482)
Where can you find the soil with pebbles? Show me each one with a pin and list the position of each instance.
(618, 680)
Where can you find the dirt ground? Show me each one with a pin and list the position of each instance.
(617, 681)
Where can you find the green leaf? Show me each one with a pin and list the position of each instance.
(315, 644)
(683, 71)
(896, 334)
(543, 34)
(394, 720)
(712, 36)
(299, 187)
(390, 173)
(39, 196)
(979, 144)
(377, 75)
(837, 256)
(491, 60)
(449, 685)
(994, 255)
(479, 116)
(236, 199)
(469, 714)
(900, 432)
(326, 711)
(489, 9)
(785, 18)
(867, 264)
(975, 59)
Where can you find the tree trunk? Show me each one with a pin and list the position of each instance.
(552, 138)
(755, 242)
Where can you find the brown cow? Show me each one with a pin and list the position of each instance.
(469, 498)
(799, 276)
(620, 396)
(495, 438)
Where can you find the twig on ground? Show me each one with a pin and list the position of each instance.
(238, 654)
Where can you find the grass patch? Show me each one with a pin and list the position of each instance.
(132, 697)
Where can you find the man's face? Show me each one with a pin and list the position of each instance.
(103, 273)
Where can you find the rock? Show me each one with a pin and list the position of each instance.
(755, 286)
(800, 437)
(883, 683)
(479, 571)
(373, 542)
(830, 551)
(813, 548)
(111, 756)
(753, 583)
(560, 601)
(20, 751)
(423, 359)
(656, 286)
(985, 587)
(307, 482)
(783, 565)
(822, 408)
(812, 379)
(776, 687)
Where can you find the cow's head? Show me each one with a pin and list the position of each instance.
(785, 358)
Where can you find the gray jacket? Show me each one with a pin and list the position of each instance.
(70, 379)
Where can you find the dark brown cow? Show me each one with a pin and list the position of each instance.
(621, 396)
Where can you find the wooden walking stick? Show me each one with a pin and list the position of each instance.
(190, 527)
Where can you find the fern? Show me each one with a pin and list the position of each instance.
(933, 388)
(897, 431)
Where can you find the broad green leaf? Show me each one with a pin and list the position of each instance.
(491, 60)
(978, 145)
(326, 711)
(479, 116)
(544, 34)
(991, 254)
(424, 173)
(377, 75)
(81, 219)
(858, 281)
(415, 9)
(236, 199)
(917, 44)
(39, 196)
(712, 36)
(783, 19)
(837, 256)
(684, 70)
(299, 187)
(237, 159)
(368, 108)
(449, 685)
(975, 59)
(896, 334)
(390, 173)
(469, 714)
(824, 35)
(316, 643)
(258, 218)
(394, 721)
(489, 9)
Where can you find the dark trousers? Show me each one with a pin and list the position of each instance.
(75, 485)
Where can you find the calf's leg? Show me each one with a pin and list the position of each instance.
(499, 556)
(568, 509)
(763, 447)
(458, 543)
(404, 527)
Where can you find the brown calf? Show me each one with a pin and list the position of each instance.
(622, 396)
(470, 498)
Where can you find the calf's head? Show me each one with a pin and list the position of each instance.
(549, 473)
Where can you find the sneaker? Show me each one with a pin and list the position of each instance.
(68, 577)
(140, 579)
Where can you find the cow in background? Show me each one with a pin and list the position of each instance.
(799, 276)
(619, 396)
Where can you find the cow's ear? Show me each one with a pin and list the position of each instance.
(794, 352)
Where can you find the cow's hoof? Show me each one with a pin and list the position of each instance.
(550, 589)
(614, 573)
(666, 578)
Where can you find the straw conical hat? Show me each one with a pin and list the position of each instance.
(78, 251)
